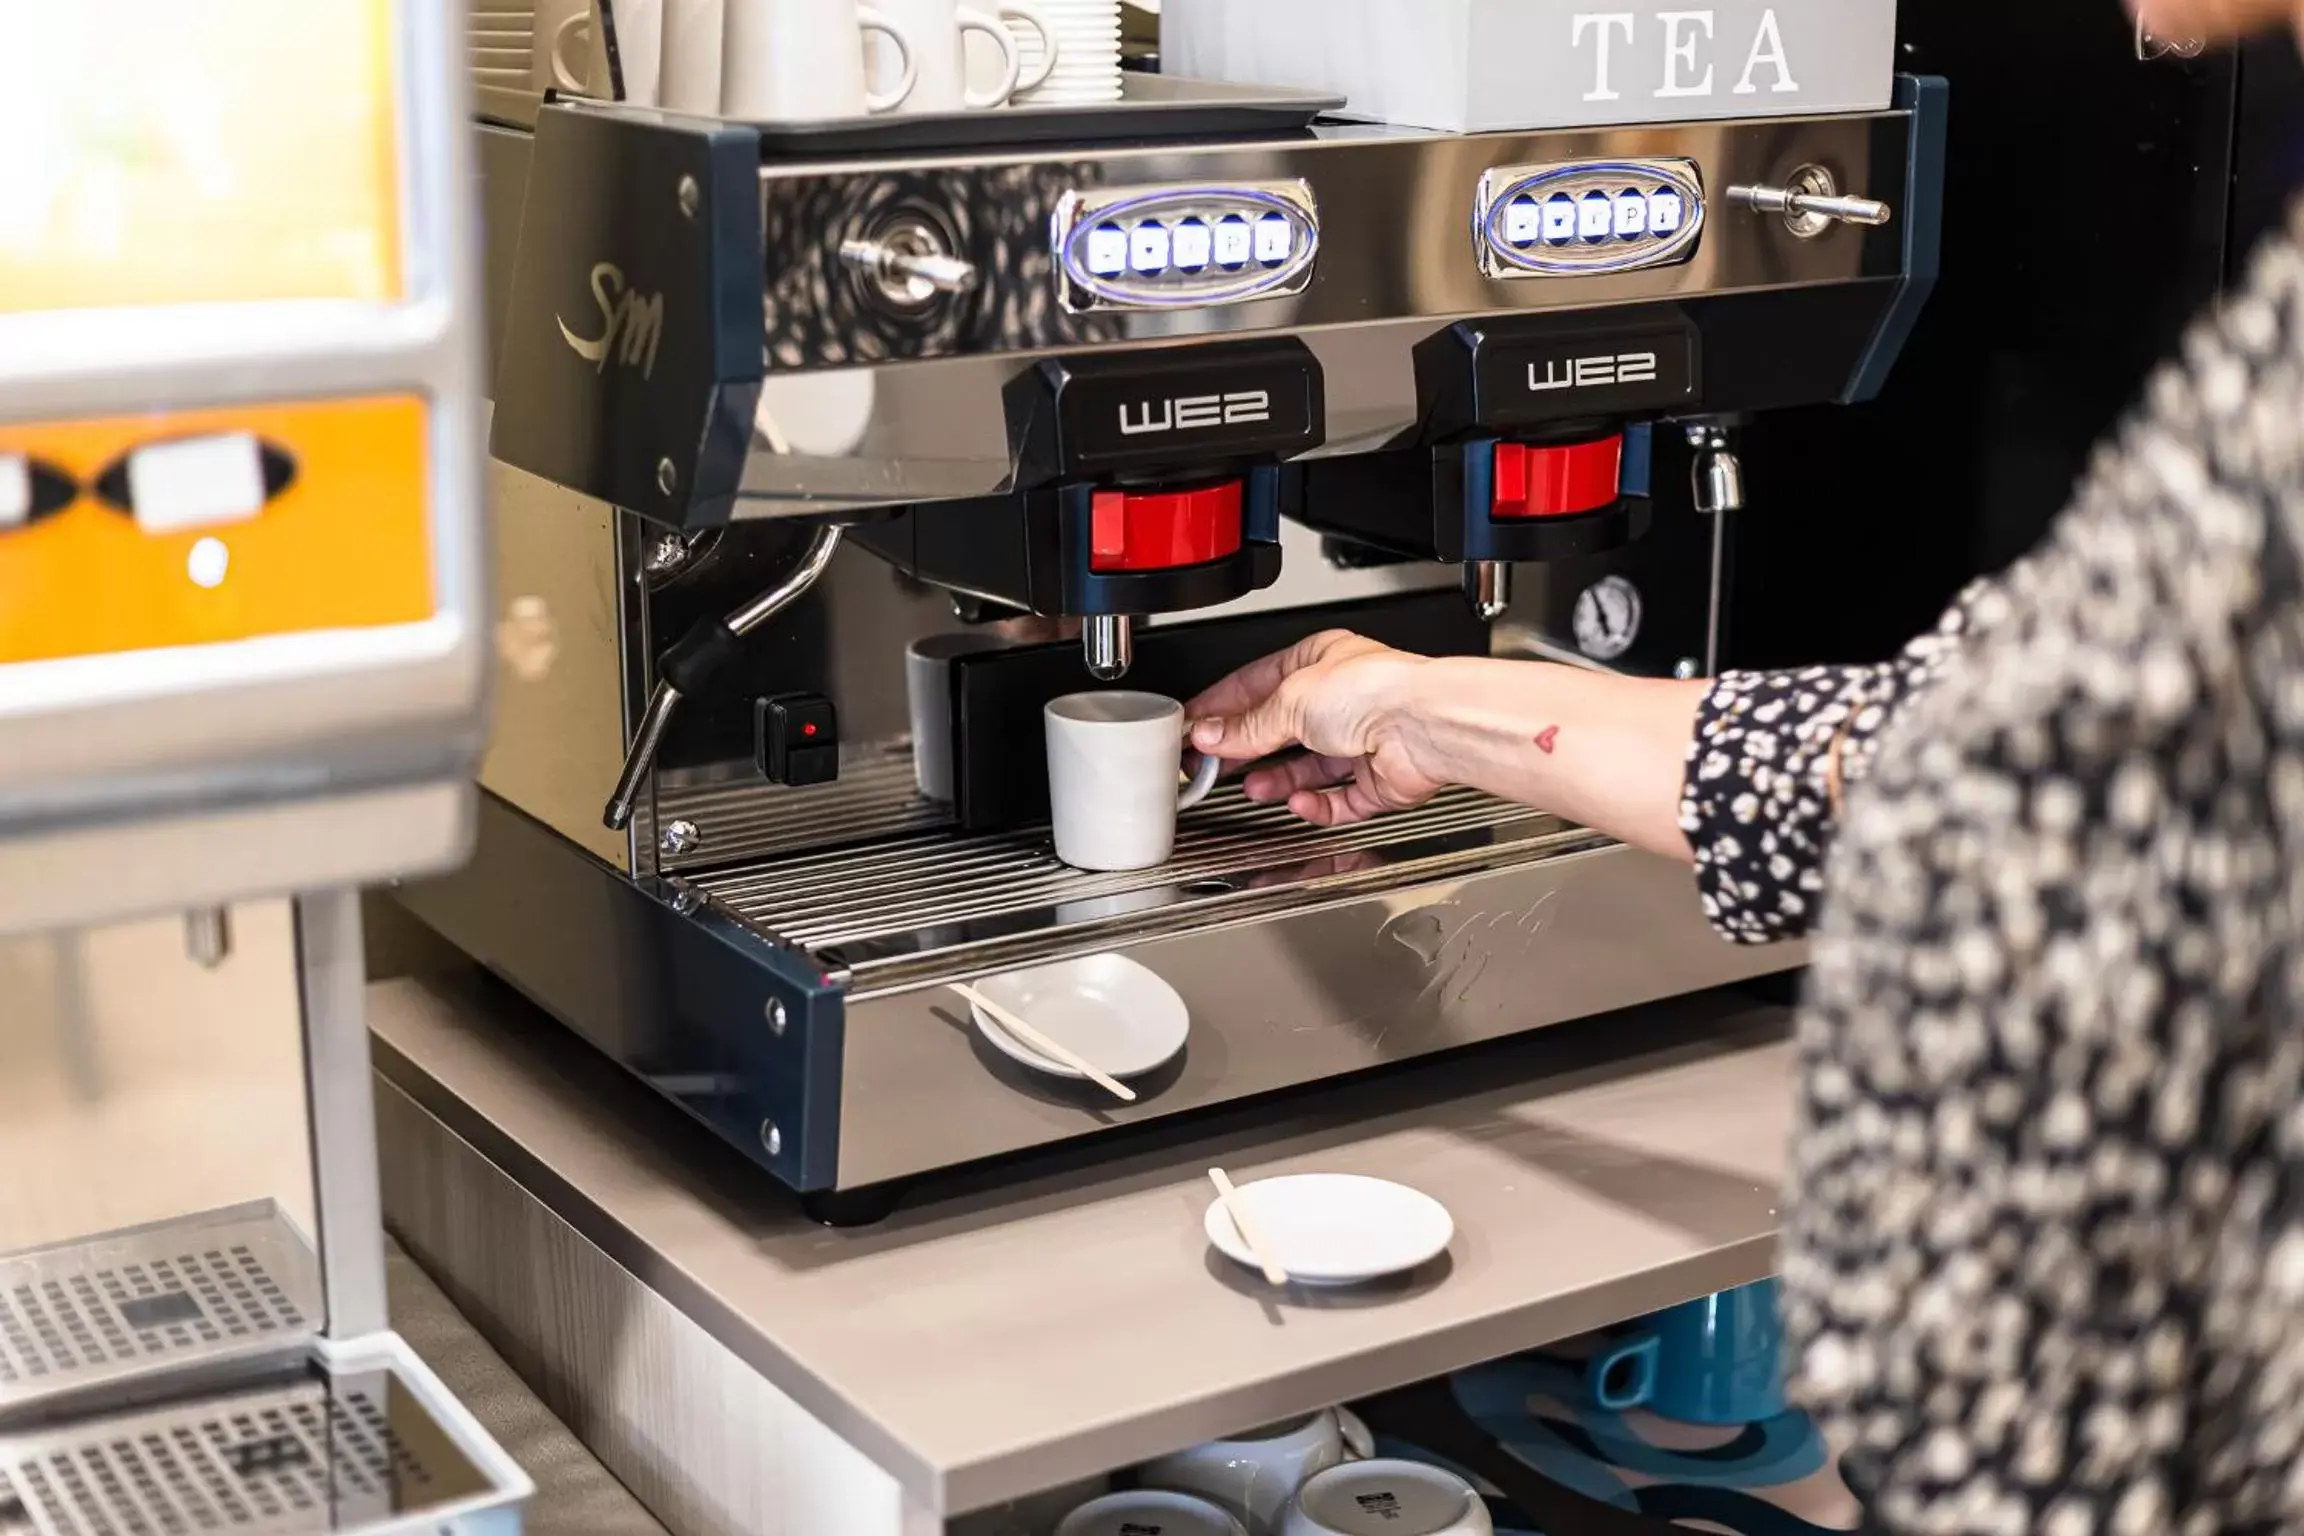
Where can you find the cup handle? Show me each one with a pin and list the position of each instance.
(1639, 1353)
(1019, 10)
(1203, 780)
(565, 78)
(1012, 58)
(873, 19)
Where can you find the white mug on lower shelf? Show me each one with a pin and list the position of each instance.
(1386, 1498)
(1170, 1514)
(1256, 1473)
(803, 60)
(1113, 772)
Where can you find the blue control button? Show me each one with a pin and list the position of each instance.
(1148, 247)
(1663, 211)
(1559, 219)
(1523, 221)
(1108, 250)
(1631, 215)
(1235, 241)
(1194, 246)
(1595, 217)
(1275, 239)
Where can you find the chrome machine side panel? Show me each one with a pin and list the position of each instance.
(1379, 978)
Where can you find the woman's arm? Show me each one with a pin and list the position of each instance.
(1384, 730)
(1739, 776)
(1767, 763)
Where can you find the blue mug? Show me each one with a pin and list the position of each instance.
(1717, 1360)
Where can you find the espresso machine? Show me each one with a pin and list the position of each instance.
(826, 460)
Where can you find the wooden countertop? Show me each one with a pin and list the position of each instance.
(1050, 1320)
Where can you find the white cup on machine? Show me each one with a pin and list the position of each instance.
(803, 60)
(569, 53)
(638, 29)
(955, 76)
(1113, 778)
(1037, 49)
(1084, 69)
(690, 74)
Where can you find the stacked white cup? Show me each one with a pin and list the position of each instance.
(1087, 68)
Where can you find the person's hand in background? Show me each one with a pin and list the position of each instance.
(2218, 21)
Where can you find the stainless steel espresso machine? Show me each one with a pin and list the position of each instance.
(774, 408)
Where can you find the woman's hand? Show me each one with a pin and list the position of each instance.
(1343, 700)
(1382, 731)
(2217, 21)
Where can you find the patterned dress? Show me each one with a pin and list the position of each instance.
(2044, 1259)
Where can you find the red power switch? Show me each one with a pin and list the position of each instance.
(1160, 530)
(1558, 481)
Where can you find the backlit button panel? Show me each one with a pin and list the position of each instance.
(1185, 247)
(1587, 216)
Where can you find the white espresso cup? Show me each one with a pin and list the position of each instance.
(1386, 1498)
(1255, 1474)
(939, 29)
(1145, 1509)
(797, 61)
(1113, 770)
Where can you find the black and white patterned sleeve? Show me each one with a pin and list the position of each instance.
(1756, 803)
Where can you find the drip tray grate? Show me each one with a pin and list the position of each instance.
(200, 1291)
(905, 899)
(334, 1448)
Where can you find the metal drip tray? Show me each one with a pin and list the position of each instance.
(874, 797)
(190, 1294)
(359, 1438)
(885, 911)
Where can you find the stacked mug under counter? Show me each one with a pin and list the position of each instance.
(822, 60)
(1316, 1476)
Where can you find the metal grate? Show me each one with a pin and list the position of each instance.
(910, 896)
(875, 796)
(207, 1288)
(317, 1455)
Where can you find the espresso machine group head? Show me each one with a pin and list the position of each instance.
(1146, 483)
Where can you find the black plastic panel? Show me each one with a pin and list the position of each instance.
(998, 696)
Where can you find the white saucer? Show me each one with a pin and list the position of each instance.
(1107, 1008)
(1336, 1228)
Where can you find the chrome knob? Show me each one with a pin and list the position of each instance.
(908, 265)
(1716, 475)
(1811, 204)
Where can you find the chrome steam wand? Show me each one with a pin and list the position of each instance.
(688, 665)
